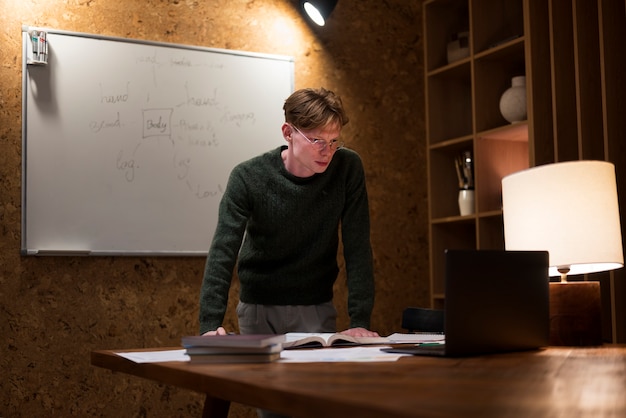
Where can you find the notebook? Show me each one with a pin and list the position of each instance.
(496, 301)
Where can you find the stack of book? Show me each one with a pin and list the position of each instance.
(233, 348)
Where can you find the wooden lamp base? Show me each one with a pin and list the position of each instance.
(575, 314)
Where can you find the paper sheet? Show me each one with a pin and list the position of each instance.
(416, 338)
(348, 354)
(155, 356)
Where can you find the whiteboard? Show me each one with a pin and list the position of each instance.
(127, 145)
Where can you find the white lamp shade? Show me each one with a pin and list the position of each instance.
(569, 209)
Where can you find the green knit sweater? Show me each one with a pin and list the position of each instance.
(291, 229)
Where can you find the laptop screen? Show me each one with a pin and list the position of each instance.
(495, 301)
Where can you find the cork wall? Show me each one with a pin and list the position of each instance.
(55, 310)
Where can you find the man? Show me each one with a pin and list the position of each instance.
(279, 221)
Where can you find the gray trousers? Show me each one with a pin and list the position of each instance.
(279, 319)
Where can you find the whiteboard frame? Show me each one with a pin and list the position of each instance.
(26, 53)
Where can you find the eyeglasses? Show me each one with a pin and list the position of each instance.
(320, 144)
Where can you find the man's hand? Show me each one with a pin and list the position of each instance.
(360, 332)
(218, 331)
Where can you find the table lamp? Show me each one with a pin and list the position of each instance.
(571, 210)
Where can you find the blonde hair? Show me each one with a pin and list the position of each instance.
(314, 108)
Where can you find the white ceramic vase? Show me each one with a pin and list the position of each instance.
(513, 100)
(466, 202)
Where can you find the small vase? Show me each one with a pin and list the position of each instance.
(466, 202)
(513, 100)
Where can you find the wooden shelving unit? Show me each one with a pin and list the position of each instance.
(463, 114)
(571, 52)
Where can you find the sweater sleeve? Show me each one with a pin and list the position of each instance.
(355, 230)
(222, 257)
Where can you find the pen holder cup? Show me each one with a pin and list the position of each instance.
(466, 202)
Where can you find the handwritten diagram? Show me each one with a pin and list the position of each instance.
(130, 148)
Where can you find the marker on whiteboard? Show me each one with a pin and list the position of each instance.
(38, 54)
(43, 47)
(34, 38)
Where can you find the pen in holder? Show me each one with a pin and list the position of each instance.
(38, 53)
(464, 164)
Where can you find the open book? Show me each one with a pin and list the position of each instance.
(316, 340)
(312, 340)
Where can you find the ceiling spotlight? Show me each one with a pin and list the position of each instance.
(318, 10)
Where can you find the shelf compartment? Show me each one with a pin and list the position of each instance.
(449, 96)
(443, 180)
(564, 97)
(442, 19)
(498, 153)
(492, 77)
(450, 235)
(491, 231)
(494, 22)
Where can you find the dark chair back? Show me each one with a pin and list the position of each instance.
(423, 320)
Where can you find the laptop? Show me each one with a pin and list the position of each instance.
(496, 301)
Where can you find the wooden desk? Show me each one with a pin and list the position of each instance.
(555, 382)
